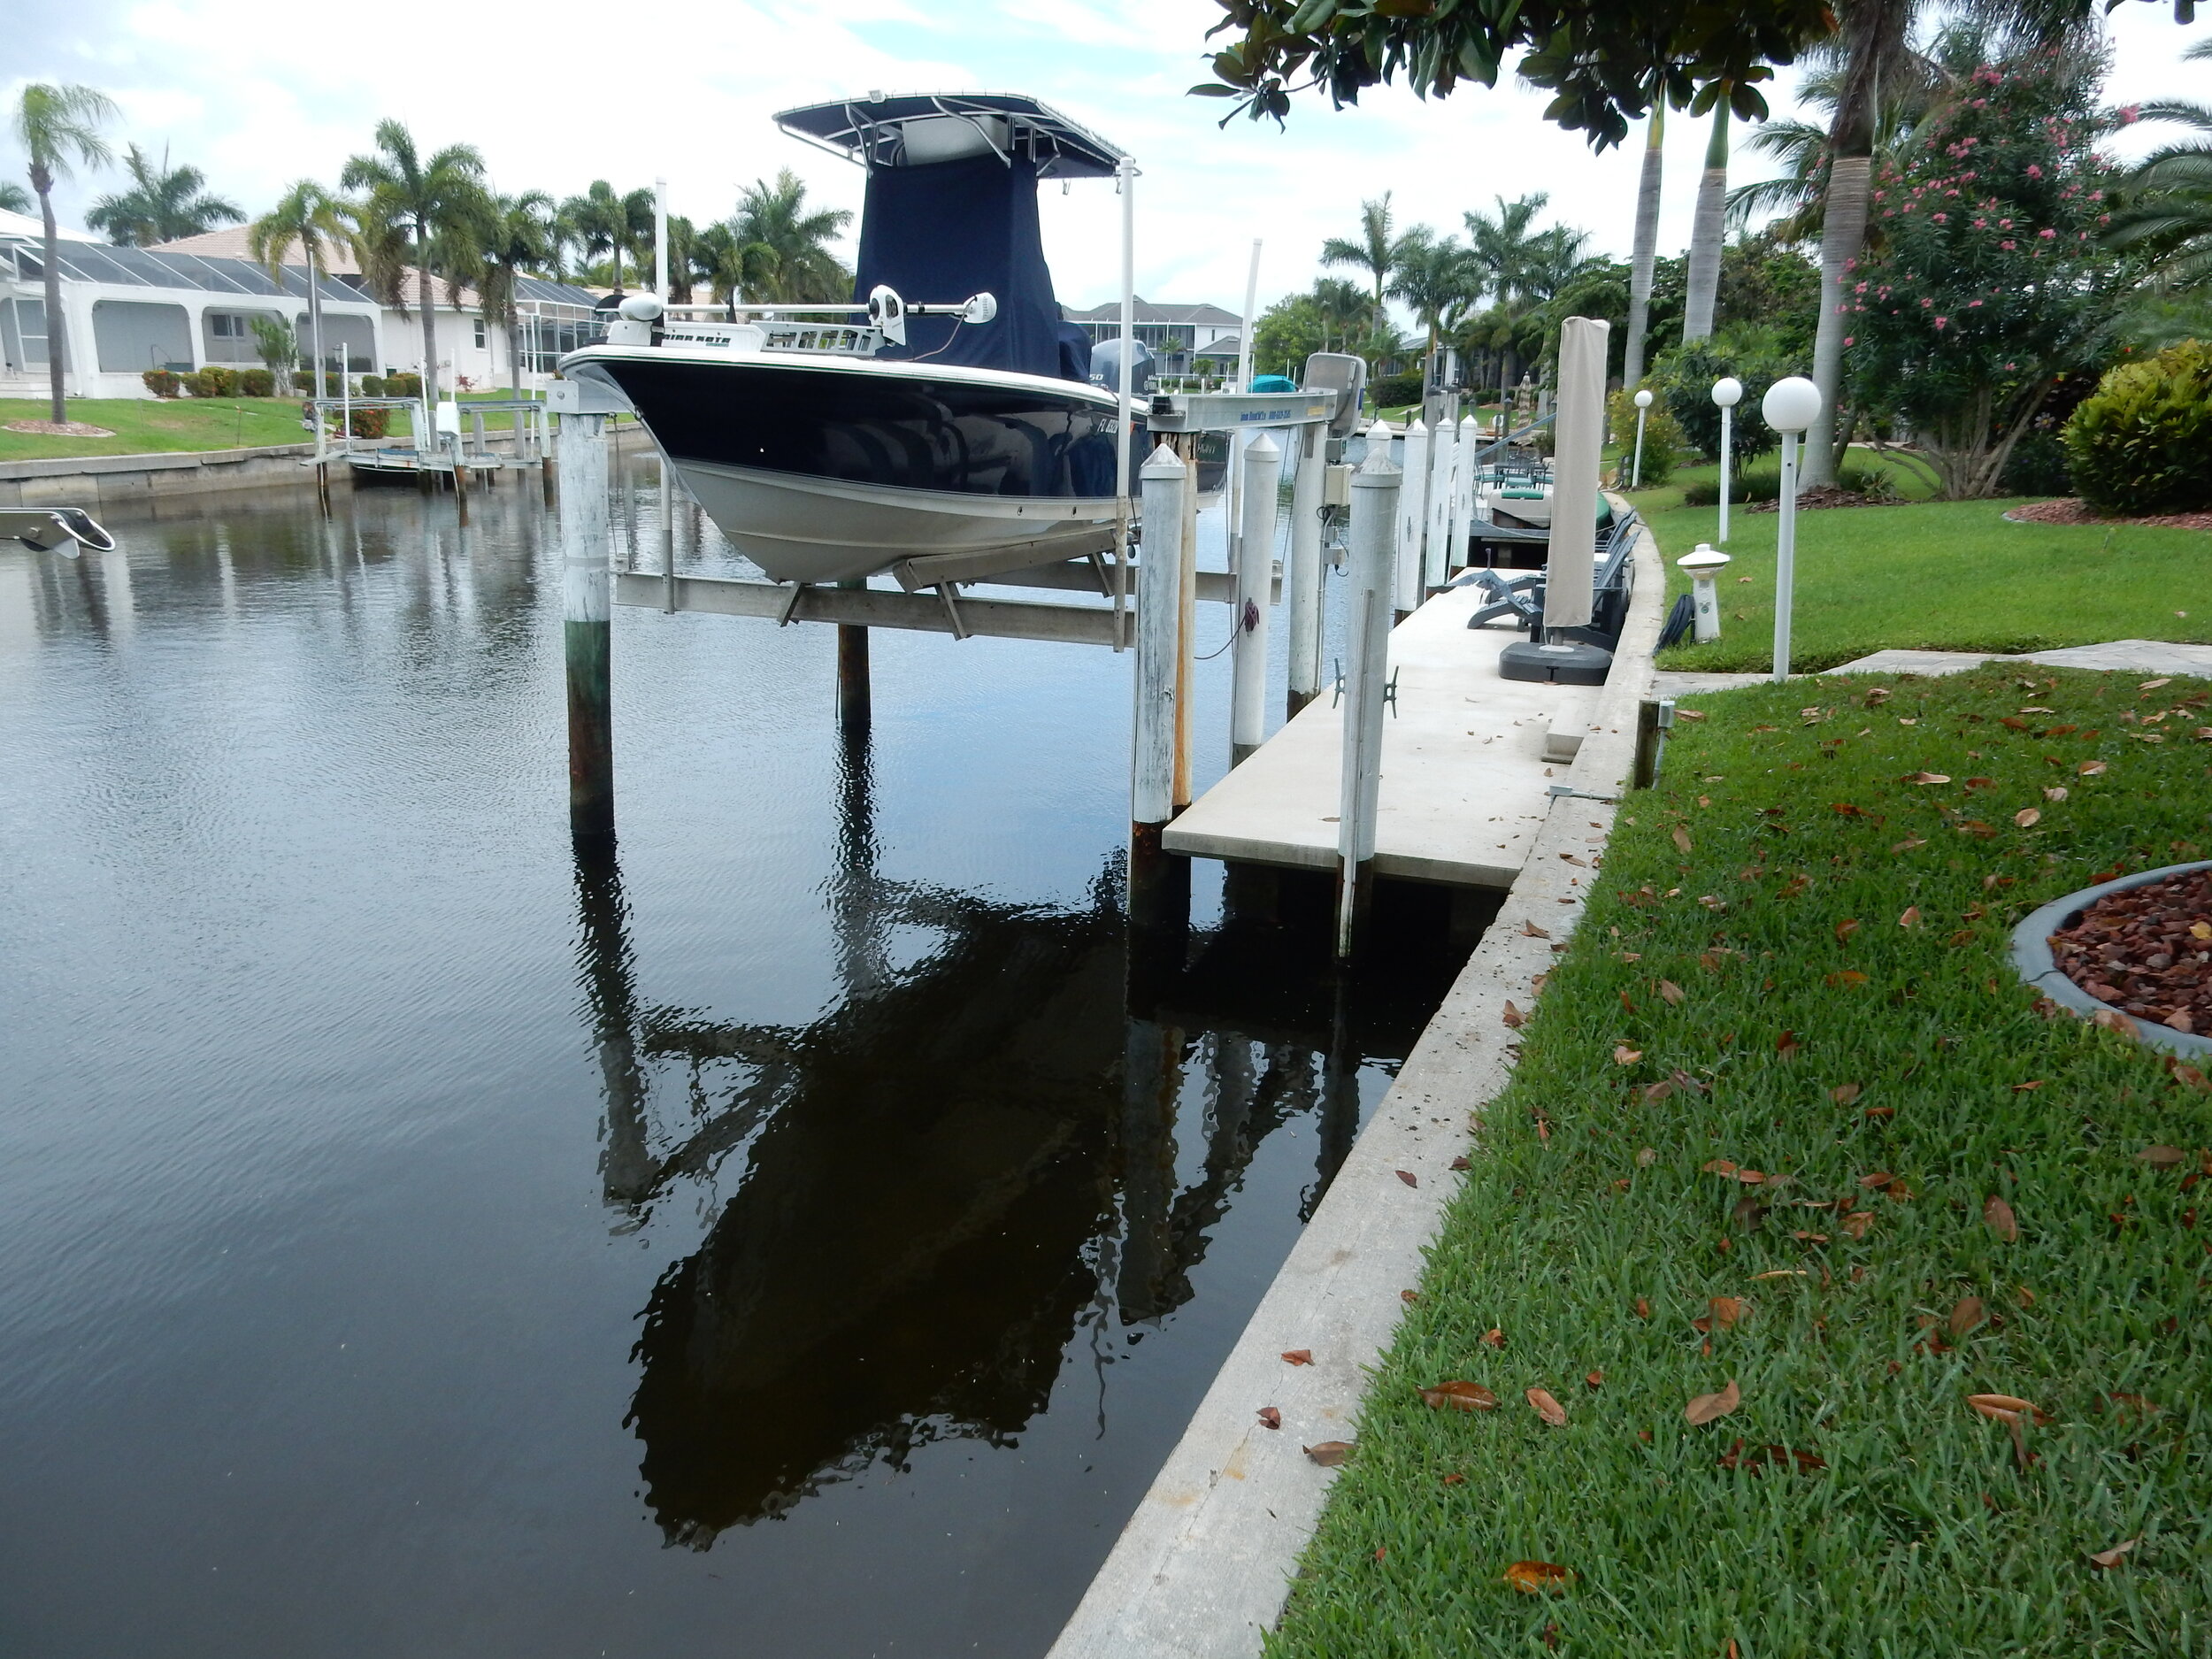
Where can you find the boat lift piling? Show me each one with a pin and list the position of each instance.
(1412, 519)
(1159, 883)
(1375, 566)
(1254, 571)
(581, 452)
(1303, 576)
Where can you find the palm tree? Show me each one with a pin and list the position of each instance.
(1436, 281)
(1708, 228)
(1508, 254)
(597, 223)
(306, 217)
(2168, 212)
(58, 126)
(1342, 310)
(520, 240)
(14, 198)
(437, 208)
(162, 205)
(1378, 251)
(1646, 249)
(778, 251)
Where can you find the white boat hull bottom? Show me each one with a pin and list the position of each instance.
(825, 530)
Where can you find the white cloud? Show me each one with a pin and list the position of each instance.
(258, 93)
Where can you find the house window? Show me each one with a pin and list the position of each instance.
(226, 325)
(480, 333)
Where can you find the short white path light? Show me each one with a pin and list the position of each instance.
(1789, 406)
(1643, 410)
(1727, 393)
(1704, 567)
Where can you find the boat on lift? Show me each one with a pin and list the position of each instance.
(965, 433)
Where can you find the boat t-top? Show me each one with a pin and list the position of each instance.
(948, 409)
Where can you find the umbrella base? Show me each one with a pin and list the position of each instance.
(1561, 664)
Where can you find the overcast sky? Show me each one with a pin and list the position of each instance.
(258, 93)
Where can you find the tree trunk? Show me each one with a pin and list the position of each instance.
(315, 332)
(1843, 232)
(429, 326)
(42, 183)
(1708, 230)
(1646, 249)
(514, 367)
(1874, 33)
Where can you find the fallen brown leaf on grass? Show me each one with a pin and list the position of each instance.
(1848, 976)
(1758, 1457)
(2162, 1157)
(1845, 928)
(1928, 777)
(1672, 994)
(1329, 1454)
(1534, 1578)
(1408, 1296)
(1682, 838)
(1622, 1054)
(1495, 1337)
(1859, 1222)
(1455, 1479)
(2105, 1559)
(1298, 1356)
(1408, 1176)
(1997, 1217)
(1529, 930)
(1719, 1166)
(1548, 1408)
(1911, 918)
(1513, 1018)
(1463, 1163)
(1966, 1313)
(2002, 1408)
(1271, 1418)
(2090, 768)
(1726, 1311)
(2056, 792)
(1787, 1046)
(1595, 1379)
(1705, 1408)
(1459, 1397)
(1908, 844)
(2028, 816)
(1782, 1272)
(1844, 1093)
(1644, 1158)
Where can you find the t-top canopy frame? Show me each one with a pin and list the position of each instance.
(871, 130)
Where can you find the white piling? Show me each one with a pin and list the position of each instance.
(1159, 630)
(587, 585)
(1376, 494)
(1443, 461)
(1463, 491)
(1412, 520)
(1256, 568)
(1304, 574)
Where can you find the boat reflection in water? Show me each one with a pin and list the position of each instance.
(942, 1181)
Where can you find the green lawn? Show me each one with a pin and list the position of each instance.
(1934, 575)
(1795, 962)
(147, 425)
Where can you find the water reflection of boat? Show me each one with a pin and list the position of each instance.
(934, 1188)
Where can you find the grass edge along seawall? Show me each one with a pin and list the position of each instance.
(1794, 965)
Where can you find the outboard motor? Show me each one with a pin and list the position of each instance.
(1106, 366)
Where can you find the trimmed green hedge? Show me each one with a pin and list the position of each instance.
(2142, 441)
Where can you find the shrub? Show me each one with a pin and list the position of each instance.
(1684, 378)
(304, 380)
(195, 383)
(403, 385)
(2139, 443)
(1764, 482)
(1664, 446)
(372, 423)
(161, 382)
(255, 383)
(1393, 391)
(372, 386)
(2036, 466)
(212, 382)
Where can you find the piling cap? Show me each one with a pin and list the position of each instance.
(1161, 463)
(1707, 557)
(1378, 468)
(1263, 445)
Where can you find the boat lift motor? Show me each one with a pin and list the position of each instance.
(57, 529)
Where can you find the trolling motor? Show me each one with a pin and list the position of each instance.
(57, 529)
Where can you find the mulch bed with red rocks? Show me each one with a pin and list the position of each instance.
(2072, 509)
(2147, 951)
(1815, 497)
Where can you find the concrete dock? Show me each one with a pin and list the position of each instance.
(1468, 760)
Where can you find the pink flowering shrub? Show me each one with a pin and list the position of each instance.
(1966, 321)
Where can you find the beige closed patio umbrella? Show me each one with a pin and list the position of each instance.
(1577, 444)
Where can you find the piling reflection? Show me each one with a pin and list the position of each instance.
(925, 1196)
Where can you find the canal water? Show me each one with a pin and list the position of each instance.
(794, 1232)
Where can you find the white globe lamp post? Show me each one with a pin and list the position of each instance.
(1727, 393)
(1789, 406)
(1643, 410)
